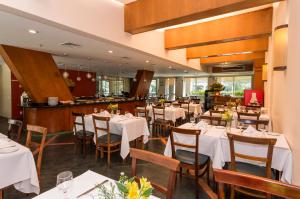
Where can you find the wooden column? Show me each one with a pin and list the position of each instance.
(37, 73)
(258, 82)
(141, 85)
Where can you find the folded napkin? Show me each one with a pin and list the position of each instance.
(129, 115)
(202, 126)
(250, 130)
(105, 113)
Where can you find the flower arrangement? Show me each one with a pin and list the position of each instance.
(230, 105)
(130, 189)
(161, 101)
(113, 107)
(227, 116)
(217, 87)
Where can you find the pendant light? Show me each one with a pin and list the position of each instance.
(65, 73)
(89, 75)
(78, 78)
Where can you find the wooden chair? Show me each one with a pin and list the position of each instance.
(143, 112)
(15, 127)
(213, 120)
(190, 160)
(166, 162)
(248, 168)
(248, 181)
(252, 119)
(167, 103)
(186, 107)
(107, 143)
(256, 108)
(82, 136)
(160, 124)
(38, 147)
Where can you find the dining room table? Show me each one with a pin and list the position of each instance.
(84, 186)
(263, 117)
(193, 108)
(128, 126)
(17, 167)
(213, 142)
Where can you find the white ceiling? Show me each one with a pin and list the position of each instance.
(14, 31)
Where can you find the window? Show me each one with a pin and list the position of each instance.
(235, 86)
(153, 88)
(195, 86)
(105, 87)
(170, 88)
(117, 87)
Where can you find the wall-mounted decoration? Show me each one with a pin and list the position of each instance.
(280, 48)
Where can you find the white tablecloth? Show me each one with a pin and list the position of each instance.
(215, 144)
(81, 184)
(129, 128)
(171, 113)
(263, 117)
(18, 169)
(194, 108)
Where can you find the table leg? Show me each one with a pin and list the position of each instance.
(1, 194)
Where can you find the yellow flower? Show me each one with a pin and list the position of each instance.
(133, 190)
(145, 184)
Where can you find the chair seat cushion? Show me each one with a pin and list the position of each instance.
(188, 157)
(113, 139)
(252, 169)
(88, 133)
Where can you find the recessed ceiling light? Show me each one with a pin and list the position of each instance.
(170, 67)
(31, 31)
(110, 51)
(147, 61)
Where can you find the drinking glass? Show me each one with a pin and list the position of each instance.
(118, 112)
(95, 110)
(193, 120)
(64, 182)
(240, 126)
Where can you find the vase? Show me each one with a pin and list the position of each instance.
(228, 127)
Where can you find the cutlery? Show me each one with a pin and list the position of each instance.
(91, 189)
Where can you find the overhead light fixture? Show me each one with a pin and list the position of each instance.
(89, 75)
(170, 67)
(110, 51)
(78, 78)
(93, 79)
(65, 73)
(147, 61)
(134, 79)
(32, 31)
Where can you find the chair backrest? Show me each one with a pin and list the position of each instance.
(158, 159)
(80, 122)
(251, 119)
(167, 103)
(186, 106)
(141, 111)
(255, 116)
(158, 111)
(104, 120)
(268, 142)
(193, 133)
(214, 120)
(31, 129)
(15, 127)
(216, 112)
(253, 108)
(257, 183)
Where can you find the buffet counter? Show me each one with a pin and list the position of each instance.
(59, 118)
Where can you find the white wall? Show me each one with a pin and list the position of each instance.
(5, 90)
(100, 18)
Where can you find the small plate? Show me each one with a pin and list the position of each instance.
(274, 134)
(8, 150)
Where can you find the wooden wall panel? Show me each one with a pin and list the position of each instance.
(232, 58)
(146, 15)
(239, 27)
(37, 73)
(258, 83)
(142, 84)
(251, 45)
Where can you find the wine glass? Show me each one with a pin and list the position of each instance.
(264, 131)
(193, 120)
(118, 112)
(64, 182)
(95, 110)
(240, 126)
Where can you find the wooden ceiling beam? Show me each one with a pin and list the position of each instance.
(240, 27)
(145, 15)
(233, 58)
(251, 45)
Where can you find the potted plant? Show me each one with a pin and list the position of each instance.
(217, 87)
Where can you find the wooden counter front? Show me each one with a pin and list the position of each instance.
(59, 118)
